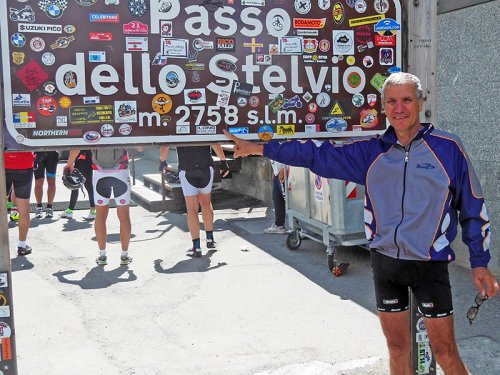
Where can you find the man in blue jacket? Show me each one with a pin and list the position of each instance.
(419, 184)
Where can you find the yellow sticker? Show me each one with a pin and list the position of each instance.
(366, 20)
(337, 109)
(65, 102)
(162, 104)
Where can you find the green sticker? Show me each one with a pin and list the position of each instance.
(378, 81)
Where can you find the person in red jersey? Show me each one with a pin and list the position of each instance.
(19, 178)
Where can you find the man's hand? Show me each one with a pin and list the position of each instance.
(485, 281)
(163, 166)
(225, 172)
(244, 148)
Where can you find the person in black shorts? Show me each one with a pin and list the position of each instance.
(196, 174)
(419, 185)
(18, 180)
(83, 163)
(45, 164)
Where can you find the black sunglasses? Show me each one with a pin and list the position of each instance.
(472, 312)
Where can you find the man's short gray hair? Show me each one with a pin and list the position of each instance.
(401, 78)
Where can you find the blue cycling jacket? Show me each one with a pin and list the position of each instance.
(413, 194)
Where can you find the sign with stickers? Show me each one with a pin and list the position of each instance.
(88, 72)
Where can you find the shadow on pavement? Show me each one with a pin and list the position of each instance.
(97, 277)
(71, 225)
(190, 265)
(21, 263)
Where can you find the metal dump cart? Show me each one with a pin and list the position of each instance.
(325, 210)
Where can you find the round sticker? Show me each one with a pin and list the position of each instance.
(172, 79)
(323, 99)
(162, 103)
(354, 79)
(18, 40)
(37, 44)
(91, 136)
(253, 101)
(125, 129)
(69, 29)
(324, 45)
(107, 130)
(368, 61)
(381, 6)
(48, 58)
(360, 6)
(65, 102)
(49, 88)
(310, 118)
(241, 101)
(358, 100)
(265, 133)
(312, 107)
(324, 4)
(302, 6)
(46, 106)
(350, 60)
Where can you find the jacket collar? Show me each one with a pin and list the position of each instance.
(390, 135)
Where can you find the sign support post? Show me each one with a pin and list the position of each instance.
(421, 48)
(7, 340)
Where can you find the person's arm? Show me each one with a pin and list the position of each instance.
(164, 151)
(281, 173)
(70, 164)
(244, 148)
(346, 161)
(468, 199)
(225, 172)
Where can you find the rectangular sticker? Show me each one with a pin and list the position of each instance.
(95, 114)
(290, 45)
(174, 48)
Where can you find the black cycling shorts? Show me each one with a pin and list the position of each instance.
(21, 180)
(429, 281)
(46, 161)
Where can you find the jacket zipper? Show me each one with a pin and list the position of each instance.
(407, 156)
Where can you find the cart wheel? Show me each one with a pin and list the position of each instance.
(293, 240)
(340, 269)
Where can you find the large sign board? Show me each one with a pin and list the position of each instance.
(106, 72)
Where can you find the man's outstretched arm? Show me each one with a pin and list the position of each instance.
(244, 148)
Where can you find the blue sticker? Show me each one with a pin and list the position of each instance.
(336, 125)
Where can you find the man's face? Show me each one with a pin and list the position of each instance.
(402, 107)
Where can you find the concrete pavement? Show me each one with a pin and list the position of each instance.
(250, 307)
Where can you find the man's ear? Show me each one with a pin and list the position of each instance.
(421, 103)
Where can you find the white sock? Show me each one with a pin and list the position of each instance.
(124, 253)
(21, 244)
(102, 253)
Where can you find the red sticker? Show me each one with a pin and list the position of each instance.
(32, 75)
(6, 349)
(46, 105)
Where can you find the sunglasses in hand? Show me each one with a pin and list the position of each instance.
(472, 312)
